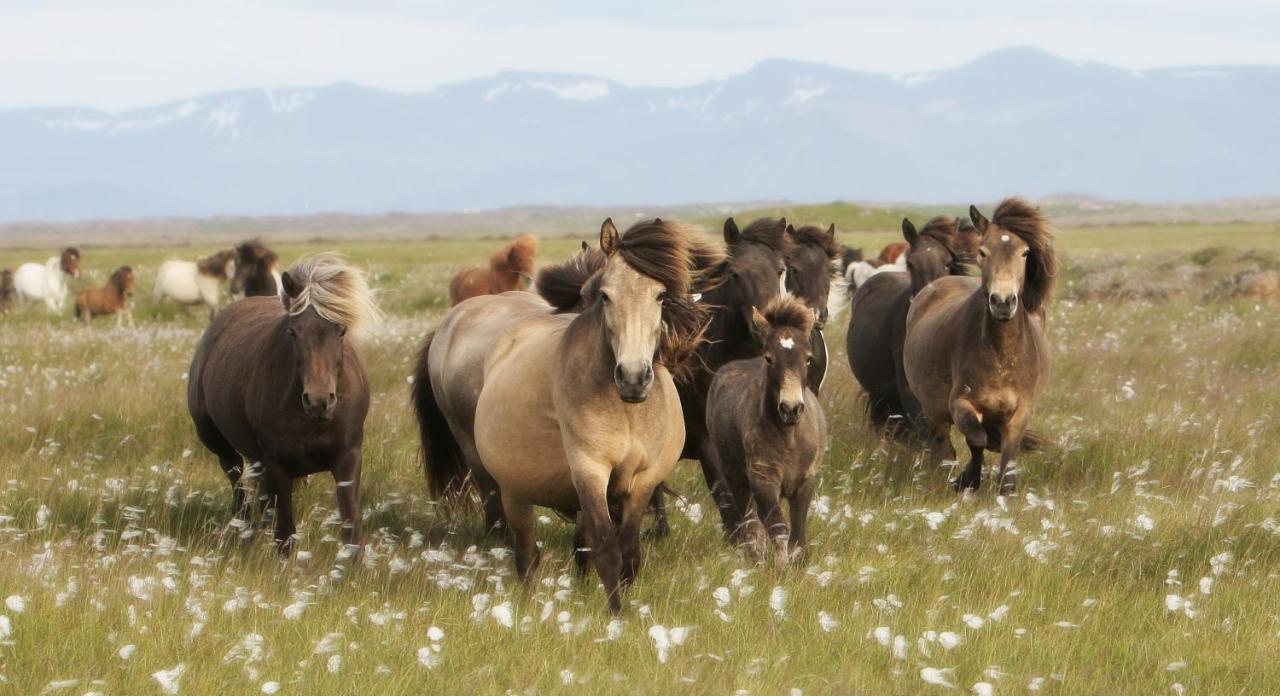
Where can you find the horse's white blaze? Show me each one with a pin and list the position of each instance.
(47, 283)
(782, 286)
(1004, 238)
(787, 342)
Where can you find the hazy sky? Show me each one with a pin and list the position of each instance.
(117, 54)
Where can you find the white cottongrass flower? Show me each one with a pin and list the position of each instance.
(1178, 604)
(333, 664)
(566, 677)
(271, 687)
(6, 627)
(949, 640)
(1206, 585)
(934, 519)
(503, 614)
(435, 634)
(983, 689)
(293, 612)
(328, 644)
(664, 640)
(1220, 562)
(694, 513)
(722, 597)
(428, 658)
(900, 647)
(975, 622)
(938, 677)
(883, 635)
(168, 679)
(1144, 522)
(15, 604)
(999, 613)
(126, 651)
(612, 631)
(778, 601)
(827, 622)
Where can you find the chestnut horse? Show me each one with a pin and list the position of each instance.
(892, 252)
(112, 298)
(579, 413)
(812, 268)
(280, 382)
(878, 325)
(449, 374)
(767, 430)
(510, 268)
(976, 355)
(255, 271)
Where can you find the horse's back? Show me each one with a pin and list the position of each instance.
(469, 283)
(177, 279)
(875, 326)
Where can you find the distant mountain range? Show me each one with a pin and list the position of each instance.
(1013, 121)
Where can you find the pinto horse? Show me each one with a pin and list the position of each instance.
(196, 282)
(48, 283)
(878, 325)
(280, 382)
(580, 413)
(812, 267)
(449, 374)
(976, 355)
(112, 298)
(510, 268)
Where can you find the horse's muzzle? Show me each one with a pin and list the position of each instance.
(634, 381)
(790, 413)
(1002, 308)
(319, 408)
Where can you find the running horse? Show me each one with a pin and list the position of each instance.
(812, 267)
(112, 298)
(976, 354)
(510, 268)
(580, 413)
(280, 382)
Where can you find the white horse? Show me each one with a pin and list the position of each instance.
(857, 273)
(190, 283)
(34, 282)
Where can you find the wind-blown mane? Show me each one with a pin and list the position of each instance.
(254, 251)
(339, 293)
(673, 255)
(562, 284)
(516, 257)
(1018, 216)
(789, 312)
(771, 232)
(215, 265)
(118, 278)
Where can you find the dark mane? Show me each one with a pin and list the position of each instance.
(215, 265)
(118, 277)
(788, 312)
(1018, 216)
(813, 235)
(943, 230)
(71, 251)
(254, 251)
(674, 256)
(771, 232)
(562, 284)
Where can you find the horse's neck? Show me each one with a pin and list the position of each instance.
(727, 336)
(54, 275)
(586, 348)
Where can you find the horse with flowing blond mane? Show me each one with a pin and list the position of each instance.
(280, 382)
(510, 268)
(976, 355)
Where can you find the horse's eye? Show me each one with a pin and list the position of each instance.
(809, 361)
(768, 357)
(1026, 253)
(662, 296)
(604, 297)
(982, 253)
(781, 271)
(342, 331)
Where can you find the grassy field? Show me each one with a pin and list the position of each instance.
(1142, 554)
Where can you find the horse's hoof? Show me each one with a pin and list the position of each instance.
(1009, 484)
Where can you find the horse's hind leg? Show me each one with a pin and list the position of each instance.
(519, 516)
(661, 525)
(232, 465)
(346, 477)
(581, 543)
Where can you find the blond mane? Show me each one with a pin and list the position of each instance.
(338, 292)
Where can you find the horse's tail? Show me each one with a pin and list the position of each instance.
(1033, 441)
(442, 462)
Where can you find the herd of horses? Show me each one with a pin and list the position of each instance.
(582, 393)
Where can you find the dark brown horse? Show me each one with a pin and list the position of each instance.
(976, 355)
(752, 277)
(112, 298)
(280, 383)
(8, 293)
(812, 266)
(256, 274)
(510, 268)
(767, 430)
(878, 325)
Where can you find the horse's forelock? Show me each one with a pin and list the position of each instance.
(813, 235)
(338, 292)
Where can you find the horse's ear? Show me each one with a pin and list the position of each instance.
(608, 237)
(782, 222)
(831, 232)
(585, 246)
(909, 232)
(731, 233)
(979, 221)
(791, 231)
(759, 325)
(291, 287)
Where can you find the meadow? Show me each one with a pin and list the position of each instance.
(1140, 555)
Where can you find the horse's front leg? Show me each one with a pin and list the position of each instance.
(733, 472)
(799, 505)
(1010, 445)
(969, 422)
(633, 509)
(592, 483)
(766, 491)
(278, 485)
(346, 478)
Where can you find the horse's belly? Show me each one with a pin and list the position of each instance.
(29, 281)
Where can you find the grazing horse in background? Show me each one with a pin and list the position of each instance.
(767, 430)
(811, 269)
(579, 413)
(255, 271)
(976, 354)
(878, 325)
(450, 372)
(8, 294)
(112, 298)
(280, 382)
(752, 277)
(510, 268)
(196, 282)
(35, 282)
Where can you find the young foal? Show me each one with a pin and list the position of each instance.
(256, 274)
(768, 430)
(976, 353)
(579, 413)
(8, 295)
(878, 325)
(112, 298)
(282, 384)
(811, 267)
(510, 268)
